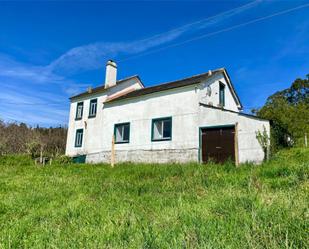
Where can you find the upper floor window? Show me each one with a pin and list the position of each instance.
(122, 133)
(221, 94)
(79, 110)
(93, 108)
(79, 138)
(161, 129)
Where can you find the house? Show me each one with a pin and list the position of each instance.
(193, 119)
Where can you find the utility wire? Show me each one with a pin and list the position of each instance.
(219, 31)
(200, 21)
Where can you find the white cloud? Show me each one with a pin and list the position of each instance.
(92, 56)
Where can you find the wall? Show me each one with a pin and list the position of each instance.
(214, 83)
(181, 104)
(249, 147)
(91, 125)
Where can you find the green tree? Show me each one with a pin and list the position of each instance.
(288, 111)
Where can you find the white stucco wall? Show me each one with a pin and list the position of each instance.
(213, 99)
(91, 125)
(182, 104)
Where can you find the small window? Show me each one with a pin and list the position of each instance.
(79, 110)
(161, 129)
(79, 138)
(122, 133)
(93, 108)
(221, 94)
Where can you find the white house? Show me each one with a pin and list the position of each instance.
(192, 119)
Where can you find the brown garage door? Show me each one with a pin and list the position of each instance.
(218, 144)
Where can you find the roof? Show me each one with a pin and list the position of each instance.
(101, 89)
(226, 110)
(169, 85)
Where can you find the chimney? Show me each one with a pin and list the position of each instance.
(111, 74)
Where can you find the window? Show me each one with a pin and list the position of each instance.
(161, 129)
(79, 138)
(79, 110)
(221, 94)
(93, 108)
(122, 133)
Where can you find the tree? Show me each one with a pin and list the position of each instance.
(18, 138)
(288, 111)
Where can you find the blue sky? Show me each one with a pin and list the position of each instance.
(50, 50)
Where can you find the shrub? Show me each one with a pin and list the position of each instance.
(33, 149)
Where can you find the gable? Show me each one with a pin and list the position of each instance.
(219, 92)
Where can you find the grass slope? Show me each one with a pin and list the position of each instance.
(155, 206)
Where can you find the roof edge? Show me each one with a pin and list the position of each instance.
(101, 88)
(233, 88)
(239, 113)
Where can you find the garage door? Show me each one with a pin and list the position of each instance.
(218, 144)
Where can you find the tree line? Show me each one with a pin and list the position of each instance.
(19, 138)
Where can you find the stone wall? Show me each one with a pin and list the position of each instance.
(149, 156)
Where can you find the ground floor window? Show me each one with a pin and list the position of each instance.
(161, 129)
(79, 138)
(122, 133)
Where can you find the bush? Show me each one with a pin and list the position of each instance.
(33, 149)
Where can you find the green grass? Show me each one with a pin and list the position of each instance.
(155, 206)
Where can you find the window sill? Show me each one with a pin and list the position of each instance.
(92, 116)
(76, 119)
(124, 142)
(161, 139)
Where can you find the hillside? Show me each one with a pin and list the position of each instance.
(155, 206)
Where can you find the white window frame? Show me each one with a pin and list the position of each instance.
(155, 132)
(119, 129)
(93, 105)
(79, 110)
(79, 138)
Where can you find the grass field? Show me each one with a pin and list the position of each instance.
(155, 206)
